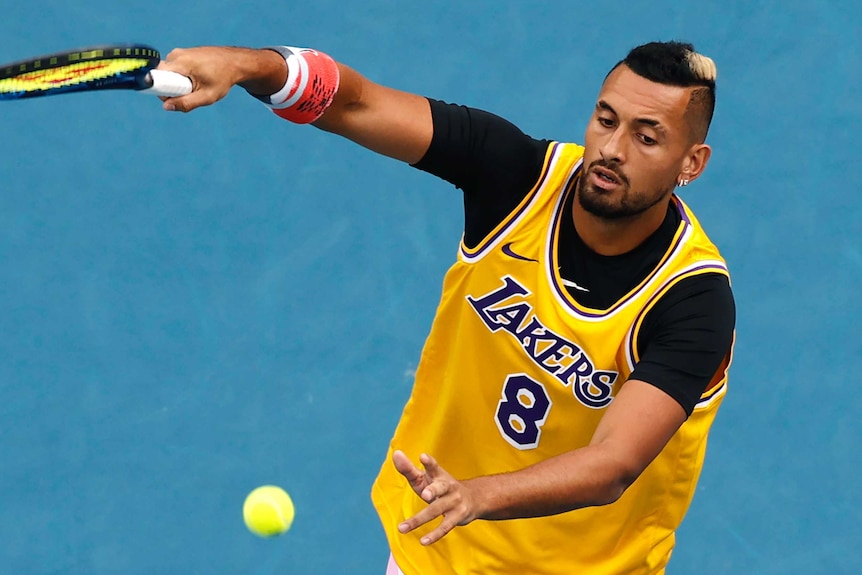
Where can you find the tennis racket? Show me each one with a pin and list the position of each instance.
(112, 67)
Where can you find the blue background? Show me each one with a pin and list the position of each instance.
(194, 305)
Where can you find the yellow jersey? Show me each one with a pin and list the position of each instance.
(515, 371)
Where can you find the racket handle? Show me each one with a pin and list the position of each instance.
(165, 83)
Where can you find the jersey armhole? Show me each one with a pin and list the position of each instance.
(494, 236)
(718, 384)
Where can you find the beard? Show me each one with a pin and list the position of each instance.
(627, 204)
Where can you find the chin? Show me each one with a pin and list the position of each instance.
(603, 203)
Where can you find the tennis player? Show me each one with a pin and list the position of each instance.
(559, 416)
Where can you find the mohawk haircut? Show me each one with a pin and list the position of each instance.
(678, 64)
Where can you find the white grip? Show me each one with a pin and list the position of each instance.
(165, 83)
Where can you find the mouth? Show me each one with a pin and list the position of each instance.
(604, 178)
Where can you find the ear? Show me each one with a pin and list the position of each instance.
(695, 162)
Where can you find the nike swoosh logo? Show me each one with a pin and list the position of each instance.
(507, 249)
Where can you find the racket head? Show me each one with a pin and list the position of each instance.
(113, 66)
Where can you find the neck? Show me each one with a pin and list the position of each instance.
(615, 237)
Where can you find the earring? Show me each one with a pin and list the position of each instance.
(683, 183)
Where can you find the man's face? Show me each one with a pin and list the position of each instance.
(635, 145)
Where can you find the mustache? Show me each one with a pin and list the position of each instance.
(611, 166)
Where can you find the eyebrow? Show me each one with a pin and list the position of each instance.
(602, 105)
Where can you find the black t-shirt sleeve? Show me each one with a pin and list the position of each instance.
(486, 156)
(686, 336)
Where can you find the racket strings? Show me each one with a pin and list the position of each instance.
(84, 72)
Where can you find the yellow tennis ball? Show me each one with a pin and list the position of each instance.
(268, 511)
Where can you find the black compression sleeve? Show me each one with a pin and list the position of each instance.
(685, 337)
(486, 156)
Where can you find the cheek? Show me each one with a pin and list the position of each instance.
(651, 175)
(590, 145)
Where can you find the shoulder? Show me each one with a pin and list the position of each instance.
(706, 295)
(467, 132)
(686, 336)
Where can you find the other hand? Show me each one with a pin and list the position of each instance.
(446, 497)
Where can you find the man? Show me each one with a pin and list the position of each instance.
(580, 350)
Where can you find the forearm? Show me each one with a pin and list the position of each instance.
(390, 122)
(584, 477)
(382, 119)
(632, 432)
(262, 72)
(348, 100)
(385, 120)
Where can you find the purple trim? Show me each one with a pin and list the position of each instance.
(681, 208)
(552, 242)
(631, 349)
(512, 217)
(712, 393)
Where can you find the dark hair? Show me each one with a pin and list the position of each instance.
(678, 64)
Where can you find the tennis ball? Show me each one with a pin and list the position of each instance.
(268, 511)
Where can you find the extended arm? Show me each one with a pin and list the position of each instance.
(689, 334)
(635, 428)
(393, 123)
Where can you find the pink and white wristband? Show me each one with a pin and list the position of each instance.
(312, 81)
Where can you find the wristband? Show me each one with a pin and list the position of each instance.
(312, 81)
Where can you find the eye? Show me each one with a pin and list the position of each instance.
(606, 122)
(647, 140)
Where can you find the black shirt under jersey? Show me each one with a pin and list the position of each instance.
(684, 337)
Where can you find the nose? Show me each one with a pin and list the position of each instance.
(613, 148)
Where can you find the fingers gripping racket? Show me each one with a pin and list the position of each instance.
(113, 67)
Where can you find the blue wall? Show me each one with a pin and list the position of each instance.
(194, 305)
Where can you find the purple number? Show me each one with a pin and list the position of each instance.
(522, 411)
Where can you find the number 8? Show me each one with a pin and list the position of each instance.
(522, 411)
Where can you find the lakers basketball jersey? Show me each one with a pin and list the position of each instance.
(514, 372)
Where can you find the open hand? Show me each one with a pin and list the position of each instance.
(445, 495)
